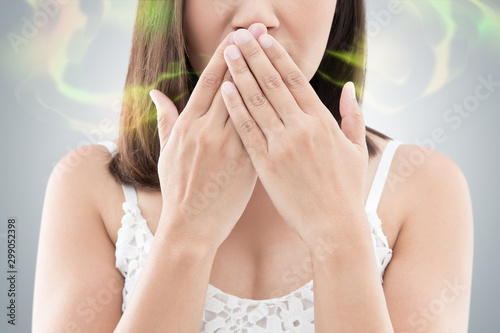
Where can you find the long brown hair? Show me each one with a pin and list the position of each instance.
(159, 60)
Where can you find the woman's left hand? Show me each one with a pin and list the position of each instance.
(313, 170)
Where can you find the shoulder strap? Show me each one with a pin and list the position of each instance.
(112, 147)
(130, 193)
(128, 190)
(381, 175)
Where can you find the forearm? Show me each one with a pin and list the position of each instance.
(170, 293)
(348, 294)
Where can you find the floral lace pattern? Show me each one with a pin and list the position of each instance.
(132, 247)
(228, 313)
(224, 312)
(380, 245)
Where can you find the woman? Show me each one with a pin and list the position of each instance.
(238, 201)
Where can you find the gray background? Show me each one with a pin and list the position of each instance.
(65, 82)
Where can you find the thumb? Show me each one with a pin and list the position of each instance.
(353, 123)
(166, 113)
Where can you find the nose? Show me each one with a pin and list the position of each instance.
(255, 12)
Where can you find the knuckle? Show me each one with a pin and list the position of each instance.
(276, 125)
(360, 121)
(209, 80)
(258, 100)
(272, 80)
(357, 117)
(278, 57)
(254, 53)
(285, 152)
(295, 80)
(304, 134)
(302, 131)
(248, 126)
(239, 70)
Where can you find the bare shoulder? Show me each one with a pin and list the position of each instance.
(434, 248)
(84, 173)
(433, 194)
(85, 167)
(73, 238)
(427, 177)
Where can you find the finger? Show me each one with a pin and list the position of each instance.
(245, 153)
(166, 113)
(231, 128)
(257, 29)
(208, 83)
(297, 83)
(256, 102)
(221, 116)
(268, 77)
(352, 124)
(217, 113)
(249, 131)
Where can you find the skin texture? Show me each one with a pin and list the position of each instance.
(302, 29)
(205, 142)
(426, 214)
(289, 132)
(289, 22)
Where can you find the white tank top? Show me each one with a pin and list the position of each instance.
(228, 313)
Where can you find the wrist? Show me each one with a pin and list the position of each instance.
(174, 234)
(340, 234)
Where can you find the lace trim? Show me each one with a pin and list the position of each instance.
(228, 313)
(224, 312)
(132, 247)
(380, 244)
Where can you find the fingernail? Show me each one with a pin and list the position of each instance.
(352, 90)
(265, 41)
(233, 52)
(153, 96)
(227, 87)
(231, 38)
(254, 30)
(242, 36)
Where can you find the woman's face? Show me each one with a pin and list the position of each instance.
(302, 27)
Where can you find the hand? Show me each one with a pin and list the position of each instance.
(206, 175)
(312, 169)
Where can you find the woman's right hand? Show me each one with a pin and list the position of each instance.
(206, 175)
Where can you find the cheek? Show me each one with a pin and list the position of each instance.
(312, 57)
(311, 39)
(198, 33)
(307, 54)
